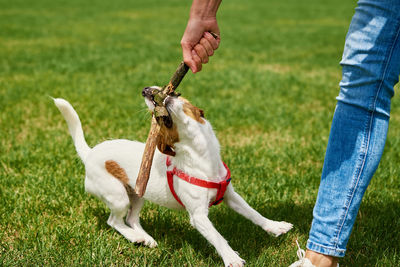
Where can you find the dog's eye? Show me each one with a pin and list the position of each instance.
(167, 121)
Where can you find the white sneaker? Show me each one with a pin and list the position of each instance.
(303, 261)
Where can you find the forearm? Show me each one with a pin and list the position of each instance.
(204, 8)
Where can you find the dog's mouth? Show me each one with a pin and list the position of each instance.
(148, 93)
(154, 98)
(160, 105)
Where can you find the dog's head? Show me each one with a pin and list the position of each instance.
(187, 120)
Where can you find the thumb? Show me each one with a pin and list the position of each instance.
(187, 57)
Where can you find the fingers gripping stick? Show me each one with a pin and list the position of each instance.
(160, 118)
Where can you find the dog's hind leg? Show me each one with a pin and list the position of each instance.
(133, 220)
(238, 204)
(120, 197)
(200, 221)
(116, 220)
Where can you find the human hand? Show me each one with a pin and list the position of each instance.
(198, 44)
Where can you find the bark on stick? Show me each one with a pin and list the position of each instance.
(147, 159)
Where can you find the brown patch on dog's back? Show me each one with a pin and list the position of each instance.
(193, 111)
(117, 171)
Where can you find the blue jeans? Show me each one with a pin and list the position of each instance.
(371, 68)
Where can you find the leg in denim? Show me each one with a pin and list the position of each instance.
(371, 67)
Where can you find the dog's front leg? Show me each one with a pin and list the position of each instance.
(238, 204)
(200, 221)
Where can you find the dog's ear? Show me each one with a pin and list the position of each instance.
(193, 112)
(166, 139)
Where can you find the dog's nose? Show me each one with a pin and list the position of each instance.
(146, 91)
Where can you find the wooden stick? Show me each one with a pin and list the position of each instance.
(147, 158)
(176, 78)
(151, 143)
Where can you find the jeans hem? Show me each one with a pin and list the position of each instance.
(330, 251)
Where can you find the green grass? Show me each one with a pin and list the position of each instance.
(269, 92)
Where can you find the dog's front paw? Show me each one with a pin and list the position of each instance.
(277, 228)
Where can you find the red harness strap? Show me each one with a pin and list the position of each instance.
(221, 186)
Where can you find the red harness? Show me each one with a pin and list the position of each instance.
(221, 186)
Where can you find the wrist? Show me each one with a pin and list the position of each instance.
(202, 15)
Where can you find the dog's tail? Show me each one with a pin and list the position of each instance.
(74, 127)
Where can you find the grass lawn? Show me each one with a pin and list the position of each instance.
(269, 92)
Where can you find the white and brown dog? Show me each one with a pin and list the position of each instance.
(193, 155)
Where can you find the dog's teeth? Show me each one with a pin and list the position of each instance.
(165, 99)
